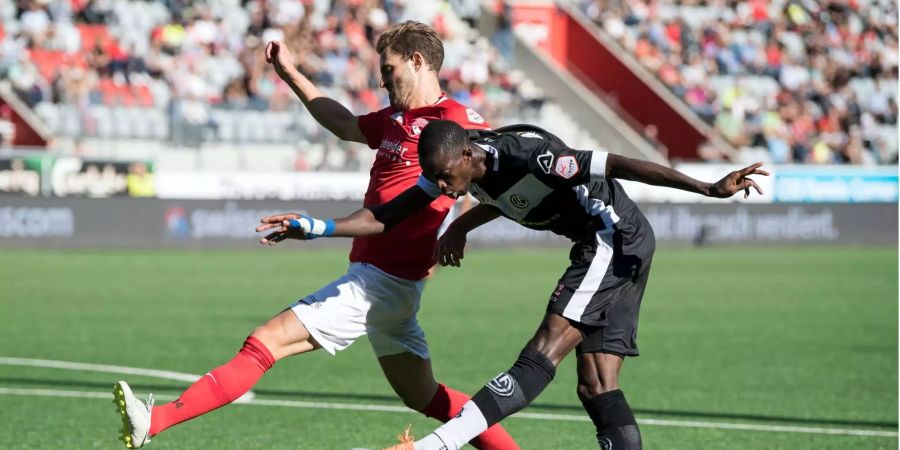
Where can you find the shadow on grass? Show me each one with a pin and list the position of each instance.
(574, 409)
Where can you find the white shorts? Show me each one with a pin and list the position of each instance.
(366, 300)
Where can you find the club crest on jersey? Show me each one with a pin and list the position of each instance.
(473, 116)
(566, 167)
(545, 161)
(418, 125)
(519, 201)
(502, 385)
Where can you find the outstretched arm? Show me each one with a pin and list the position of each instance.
(328, 112)
(363, 222)
(647, 172)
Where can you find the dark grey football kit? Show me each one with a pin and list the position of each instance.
(534, 179)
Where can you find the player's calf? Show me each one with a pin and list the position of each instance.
(448, 402)
(598, 390)
(615, 423)
(217, 388)
(512, 391)
(503, 396)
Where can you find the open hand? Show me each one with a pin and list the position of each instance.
(281, 224)
(738, 181)
(451, 248)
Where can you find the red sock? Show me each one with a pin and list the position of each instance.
(217, 388)
(447, 403)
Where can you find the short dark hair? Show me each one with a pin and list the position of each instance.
(410, 37)
(442, 137)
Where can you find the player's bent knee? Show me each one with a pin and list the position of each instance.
(284, 335)
(415, 394)
(414, 402)
(593, 389)
(273, 338)
(261, 334)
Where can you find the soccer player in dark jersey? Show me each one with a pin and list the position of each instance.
(533, 178)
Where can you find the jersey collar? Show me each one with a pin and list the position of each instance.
(399, 116)
(491, 157)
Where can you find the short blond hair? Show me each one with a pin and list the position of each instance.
(410, 37)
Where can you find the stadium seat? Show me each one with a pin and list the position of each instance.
(92, 35)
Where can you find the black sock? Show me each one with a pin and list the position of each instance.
(616, 427)
(512, 391)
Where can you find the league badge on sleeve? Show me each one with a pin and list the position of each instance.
(566, 167)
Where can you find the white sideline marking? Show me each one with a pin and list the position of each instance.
(723, 425)
(533, 416)
(103, 368)
(164, 374)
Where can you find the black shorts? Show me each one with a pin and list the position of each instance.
(601, 292)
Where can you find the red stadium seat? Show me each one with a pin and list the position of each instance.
(92, 34)
(48, 62)
(108, 90)
(77, 5)
(126, 95)
(143, 96)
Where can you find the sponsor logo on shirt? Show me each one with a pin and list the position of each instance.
(519, 201)
(545, 161)
(530, 134)
(566, 167)
(473, 116)
(392, 150)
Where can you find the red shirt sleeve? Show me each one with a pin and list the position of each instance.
(372, 127)
(466, 117)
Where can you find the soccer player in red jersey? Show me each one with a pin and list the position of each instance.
(380, 293)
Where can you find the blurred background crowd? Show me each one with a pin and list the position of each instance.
(194, 71)
(804, 81)
(793, 81)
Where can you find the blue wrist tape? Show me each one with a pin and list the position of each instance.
(312, 227)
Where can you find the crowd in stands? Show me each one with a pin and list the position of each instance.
(808, 81)
(200, 61)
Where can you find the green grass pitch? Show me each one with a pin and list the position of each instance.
(770, 337)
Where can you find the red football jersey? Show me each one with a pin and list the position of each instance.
(407, 249)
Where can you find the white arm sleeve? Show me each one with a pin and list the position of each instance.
(430, 188)
(598, 165)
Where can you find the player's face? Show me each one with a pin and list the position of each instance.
(451, 175)
(398, 78)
